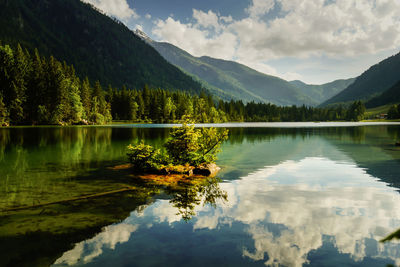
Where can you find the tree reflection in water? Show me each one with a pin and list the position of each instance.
(187, 192)
(186, 196)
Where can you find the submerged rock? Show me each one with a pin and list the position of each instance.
(210, 169)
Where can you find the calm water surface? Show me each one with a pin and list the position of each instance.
(301, 196)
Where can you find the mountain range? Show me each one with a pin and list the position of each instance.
(323, 92)
(231, 79)
(104, 49)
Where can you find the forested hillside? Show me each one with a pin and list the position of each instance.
(372, 82)
(39, 90)
(98, 46)
(390, 96)
(42, 90)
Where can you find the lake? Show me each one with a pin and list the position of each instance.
(294, 194)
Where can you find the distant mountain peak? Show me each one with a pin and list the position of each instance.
(142, 35)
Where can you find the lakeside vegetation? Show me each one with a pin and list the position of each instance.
(38, 90)
(188, 150)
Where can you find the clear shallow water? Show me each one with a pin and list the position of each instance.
(294, 197)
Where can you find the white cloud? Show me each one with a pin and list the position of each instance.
(87, 250)
(147, 16)
(302, 29)
(260, 7)
(117, 8)
(226, 19)
(195, 40)
(206, 20)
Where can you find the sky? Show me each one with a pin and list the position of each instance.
(315, 41)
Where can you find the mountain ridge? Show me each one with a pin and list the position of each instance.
(226, 78)
(322, 92)
(371, 83)
(99, 47)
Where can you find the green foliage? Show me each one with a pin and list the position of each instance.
(187, 196)
(390, 96)
(356, 111)
(46, 91)
(183, 145)
(393, 112)
(4, 120)
(144, 157)
(189, 145)
(209, 144)
(186, 146)
(49, 92)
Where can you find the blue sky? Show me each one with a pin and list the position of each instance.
(315, 41)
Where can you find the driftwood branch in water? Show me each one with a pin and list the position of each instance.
(71, 199)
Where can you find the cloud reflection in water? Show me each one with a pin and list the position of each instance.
(289, 211)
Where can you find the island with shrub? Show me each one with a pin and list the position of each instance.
(189, 151)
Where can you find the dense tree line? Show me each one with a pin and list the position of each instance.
(162, 106)
(39, 90)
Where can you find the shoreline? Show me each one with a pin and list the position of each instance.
(316, 124)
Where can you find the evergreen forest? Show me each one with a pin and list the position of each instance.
(38, 90)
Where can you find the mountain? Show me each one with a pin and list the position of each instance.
(371, 83)
(323, 92)
(231, 80)
(390, 96)
(99, 47)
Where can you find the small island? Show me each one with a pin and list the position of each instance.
(189, 151)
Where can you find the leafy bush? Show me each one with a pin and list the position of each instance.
(183, 144)
(144, 157)
(186, 146)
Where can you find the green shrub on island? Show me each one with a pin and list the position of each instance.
(144, 157)
(187, 146)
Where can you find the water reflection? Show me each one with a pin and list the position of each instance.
(41, 164)
(86, 251)
(308, 196)
(187, 197)
(288, 214)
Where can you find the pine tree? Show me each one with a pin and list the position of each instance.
(4, 120)
(85, 92)
(6, 75)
